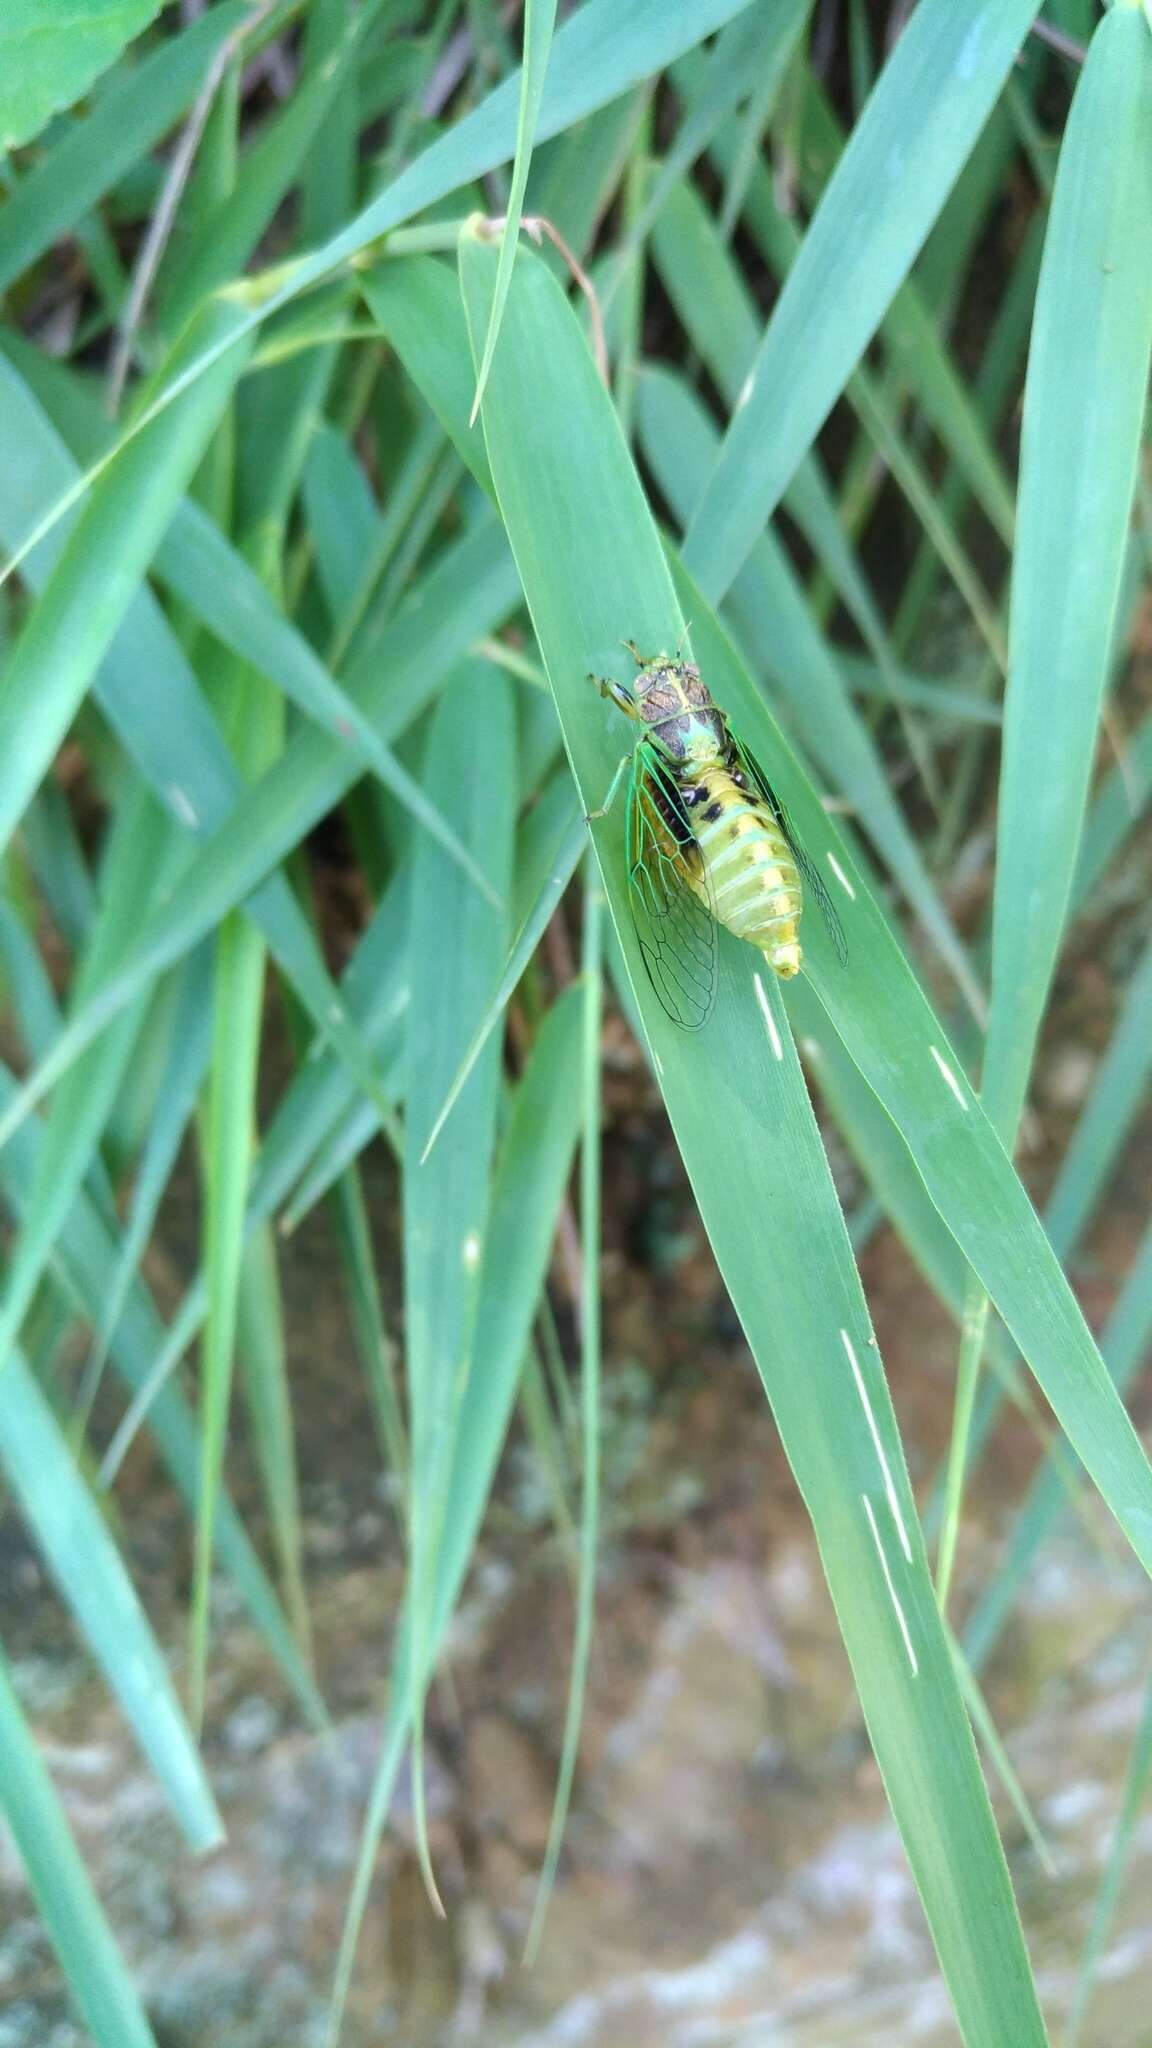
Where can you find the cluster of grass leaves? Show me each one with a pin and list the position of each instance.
(317, 499)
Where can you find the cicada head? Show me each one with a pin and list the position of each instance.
(667, 697)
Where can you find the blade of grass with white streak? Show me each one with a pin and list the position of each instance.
(593, 573)
(929, 105)
(889, 1029)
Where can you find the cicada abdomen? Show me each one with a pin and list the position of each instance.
(751, 879)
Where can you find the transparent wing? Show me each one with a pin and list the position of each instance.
(676, 930)
(814, 884)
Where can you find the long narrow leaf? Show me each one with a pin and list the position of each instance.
(594, 574)
(929, 104)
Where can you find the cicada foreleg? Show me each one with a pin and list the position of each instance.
(613, 789)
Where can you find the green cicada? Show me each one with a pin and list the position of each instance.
(709, 841)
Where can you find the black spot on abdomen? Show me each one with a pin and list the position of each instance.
(712, 813)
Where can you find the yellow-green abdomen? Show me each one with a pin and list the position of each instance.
(752, 885)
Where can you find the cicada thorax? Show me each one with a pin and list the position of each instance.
(677, 711)
(745, 870)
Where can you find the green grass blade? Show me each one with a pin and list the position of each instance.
(328, 185)
(86, 1565)
(134, 864)
(215, 583)
(760, 43)
(599, 54)
(189, 1037)
(456, 954)
(1084, 407)
(376, 992)
(268, 1399)
(532, 1173)
(539, 24)
(1125, 1345)
(988, 1733)
(416, 304)
(263, 178)
(53, 54)
(930, 102)
(921, 363)
(62, 1889)
(879, 1148)
(1135, 1790)
(777, 626)
(86, 1255)
(1118, 805)
(61, 870)
(1106, 1119)
(593, 572)
(592, 974)
(560, 872)
(468, 592)
(994, 386)
(100, 567)
(227, 1149)
(343, 518)
(890, 1031)
(95, 152)
(218, 587)
(341, 1145)
(720, 316)
(149, 692)
(377, 1353)
(1083, 416)
(27, 987)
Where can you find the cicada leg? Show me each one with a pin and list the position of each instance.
(610, 799)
